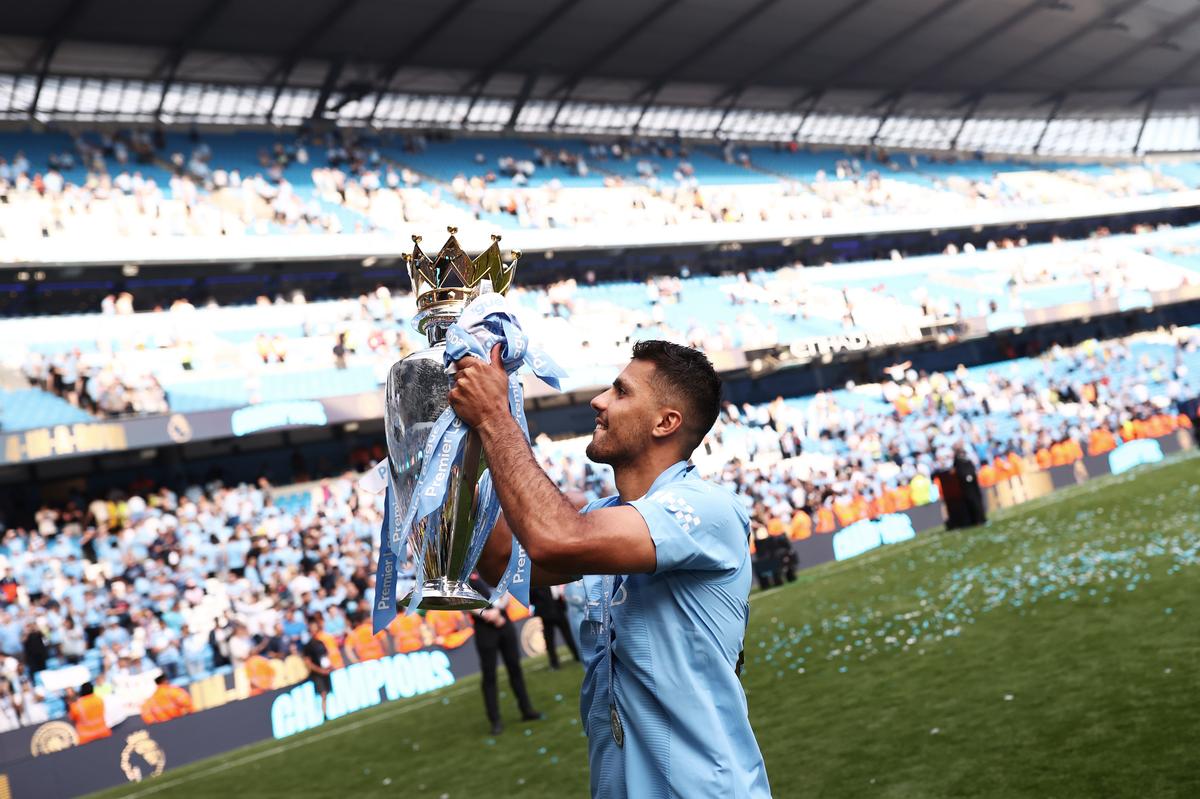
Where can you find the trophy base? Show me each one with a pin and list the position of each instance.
(446, 594)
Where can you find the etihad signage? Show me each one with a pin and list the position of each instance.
(62, 440)
(271, 415)
(817, 346)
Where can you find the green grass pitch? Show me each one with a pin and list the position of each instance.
(1053, 653)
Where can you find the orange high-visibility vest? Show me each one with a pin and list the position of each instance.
(1003, 469)
(406, 632)
(1058, 455)
(1016, 464)
(825, 520)
(1074, 451)
(331, 646)
(365, 645)
(1184, 421)
(987, 476)
(1101, 441)
(845, 511)
(516, 611)
(87, 712)
(874, 508)
(451, 626)
(902, 498)
(260, 674)
(1044, 459)
(802, 525)
(166, 703)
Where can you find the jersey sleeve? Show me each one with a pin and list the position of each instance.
(695, 527)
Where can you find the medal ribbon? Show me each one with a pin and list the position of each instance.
(609, 585)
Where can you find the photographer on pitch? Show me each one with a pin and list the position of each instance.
(667, 573)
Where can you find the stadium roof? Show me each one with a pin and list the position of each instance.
(1097, 77)
(763, 52)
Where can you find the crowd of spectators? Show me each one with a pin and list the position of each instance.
(96, 382)
(663, 182)
(138, 184)
(215, 575)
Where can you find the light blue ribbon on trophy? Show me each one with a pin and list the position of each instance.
(487, 321)
(384, 609)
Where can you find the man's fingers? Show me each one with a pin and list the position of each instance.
(468, 362)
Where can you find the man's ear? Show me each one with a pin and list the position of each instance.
(669, 421)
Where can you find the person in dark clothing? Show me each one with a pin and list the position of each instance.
(964, 469)
(785, 556)
(36, 652)
(766, 563)
(548, 606)
(316, 658)
(495, 634)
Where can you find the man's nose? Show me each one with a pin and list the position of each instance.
(597, 403)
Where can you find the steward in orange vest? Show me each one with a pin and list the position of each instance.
(406, 632)
(166, 703)
(825, 519)
(1101, 441)
(331, 646)
(260, 674)
(361, 644)
(1044, 459)
(801, 525)
(87, 712)
(451, 628)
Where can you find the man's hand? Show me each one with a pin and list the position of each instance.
(480, 390)
(493, 617)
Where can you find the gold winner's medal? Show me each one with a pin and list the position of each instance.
(617, 730)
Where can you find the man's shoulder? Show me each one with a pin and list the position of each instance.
(696, 493)
(602, 502)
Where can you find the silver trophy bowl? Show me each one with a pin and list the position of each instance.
(415, 397)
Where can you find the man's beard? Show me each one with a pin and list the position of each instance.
(610, 452)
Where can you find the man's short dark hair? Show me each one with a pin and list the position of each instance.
(686, 376)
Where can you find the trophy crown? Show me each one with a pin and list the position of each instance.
(444, 284)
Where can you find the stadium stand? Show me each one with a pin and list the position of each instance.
(230, 184)
(194, 583)
(189, 359)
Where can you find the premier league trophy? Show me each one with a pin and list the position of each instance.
(415, 398)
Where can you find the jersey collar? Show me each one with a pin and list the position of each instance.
(675, 472)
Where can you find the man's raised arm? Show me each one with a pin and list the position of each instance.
(555, 535)
(498, 550)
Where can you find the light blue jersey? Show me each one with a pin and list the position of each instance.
(677, 634)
